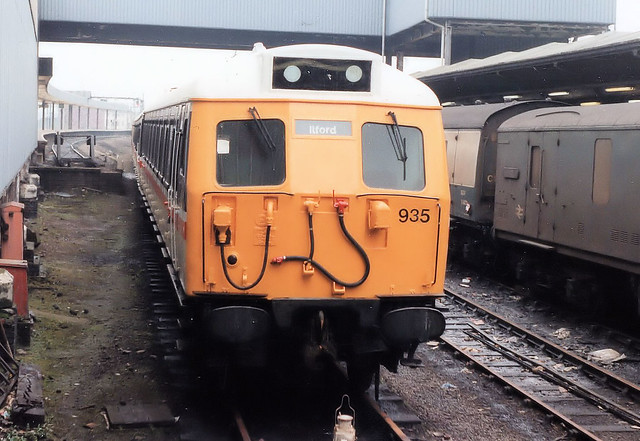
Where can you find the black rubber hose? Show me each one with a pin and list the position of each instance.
(326, 272)
(312, 241)
(262, 271)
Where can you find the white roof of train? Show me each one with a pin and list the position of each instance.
(249, 76)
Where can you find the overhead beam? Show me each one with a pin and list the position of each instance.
(177, 36)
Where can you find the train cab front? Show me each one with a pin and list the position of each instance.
(322, 215)
(354, 277)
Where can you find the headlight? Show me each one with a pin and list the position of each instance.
(292, 73)
(354, 74)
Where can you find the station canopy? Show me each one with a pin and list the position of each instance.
(603, 69)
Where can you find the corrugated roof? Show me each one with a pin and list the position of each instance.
(357, 17)
(545, 11)
(536, 55)
(584, 70)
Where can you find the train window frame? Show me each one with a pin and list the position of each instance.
(152, 144)
(171, 152)
(462, 156)
(379, 159)
(251, 172)
(601, 179)
(162, 152)
(183, 155)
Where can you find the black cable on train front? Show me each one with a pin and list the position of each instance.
(322, 269)
(312, 242)
(262, 271)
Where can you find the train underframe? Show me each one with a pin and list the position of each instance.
(305, 334)
(590, 287)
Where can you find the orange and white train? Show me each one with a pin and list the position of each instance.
(302, 195)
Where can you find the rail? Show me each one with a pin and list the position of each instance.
(584, 396)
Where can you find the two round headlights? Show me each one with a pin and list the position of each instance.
(293, 73)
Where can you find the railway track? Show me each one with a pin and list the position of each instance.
(294, 415)
(261, 409)
(592, 402)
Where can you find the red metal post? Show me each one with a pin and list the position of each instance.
(11, 255)
(12, 241)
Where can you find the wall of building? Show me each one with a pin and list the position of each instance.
(18, 88)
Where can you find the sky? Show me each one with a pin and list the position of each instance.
(134, 71)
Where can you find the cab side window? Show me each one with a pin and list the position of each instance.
(249, 156)
(390, 161)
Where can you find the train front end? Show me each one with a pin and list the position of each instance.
(318, 210)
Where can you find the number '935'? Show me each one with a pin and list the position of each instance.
(414, 215)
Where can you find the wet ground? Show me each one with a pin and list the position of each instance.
(93, 336)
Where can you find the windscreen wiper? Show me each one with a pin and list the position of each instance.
(399, 143)
(271, 146)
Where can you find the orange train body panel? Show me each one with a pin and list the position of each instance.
(319, 168)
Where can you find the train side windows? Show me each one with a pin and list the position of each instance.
(157, 146)
(154, 145)
(381, 165)
(146, 128)
(160, 145)
(143, 139)
(247, 156)
(146, 139)
(450, 146)
(152, 132)
(170, 149)
(164, 137)
(183, 144)
(602, 171)
(166, 154)
(535, 167)
(466, 157)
